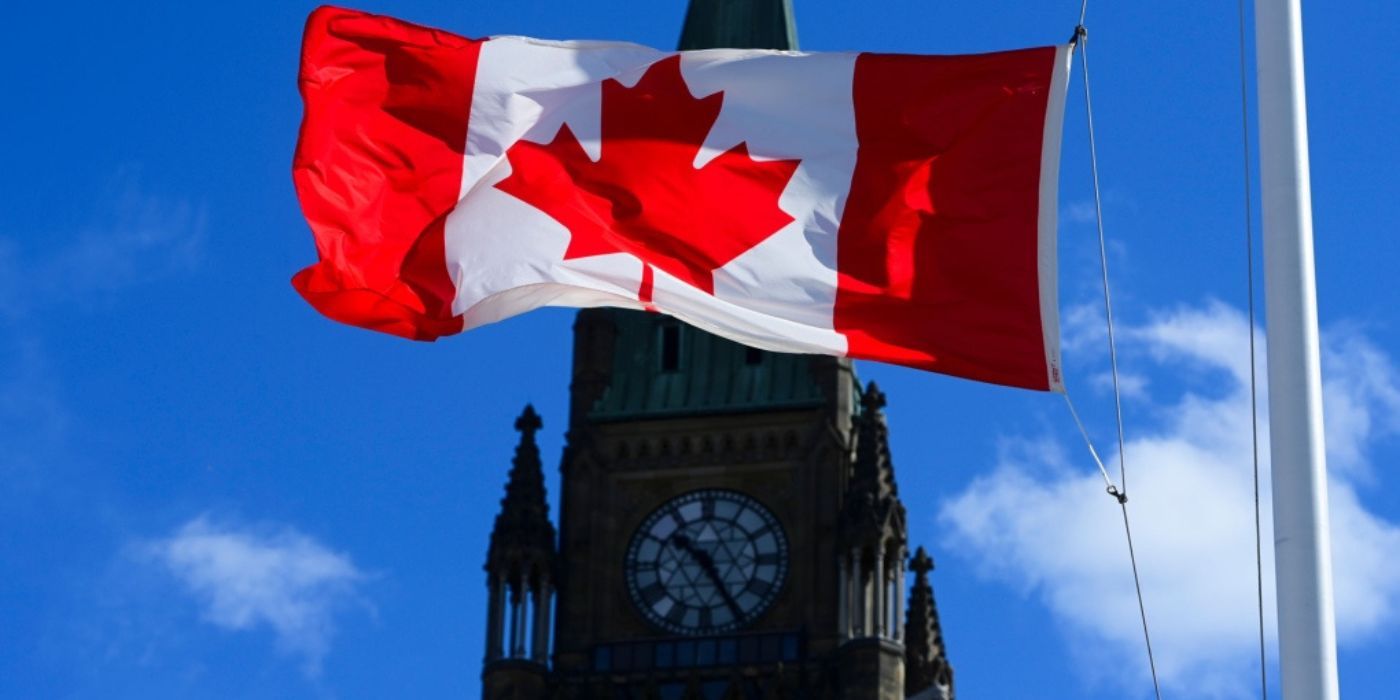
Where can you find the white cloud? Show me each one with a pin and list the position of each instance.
(1079, 212)
(282, 579)
(1361, 398)
(1041, 522)
(1082, 328)
(1130, 385)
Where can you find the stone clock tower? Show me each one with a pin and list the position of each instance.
(729, 527)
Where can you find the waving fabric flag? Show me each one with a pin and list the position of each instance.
(887, 207)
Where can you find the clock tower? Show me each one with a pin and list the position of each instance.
(729, 527)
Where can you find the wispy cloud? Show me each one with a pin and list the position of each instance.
(33, 417)
(1079, 212)
(1083, 212)
(246, 578)
(1130, 384)
(134, 237)
(1041, 523)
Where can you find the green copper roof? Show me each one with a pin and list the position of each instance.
(700, 372)
(739, 24)
(697, 373)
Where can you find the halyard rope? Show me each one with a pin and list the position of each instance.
(1120, 494)
(1107, 480)
(1253, 373)
(1082, 36)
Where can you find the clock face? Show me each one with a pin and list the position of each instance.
(705, 562)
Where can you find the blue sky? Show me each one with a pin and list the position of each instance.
(207, 490)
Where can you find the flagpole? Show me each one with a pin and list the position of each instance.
(1302, 540)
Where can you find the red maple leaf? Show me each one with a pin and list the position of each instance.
(644, 195)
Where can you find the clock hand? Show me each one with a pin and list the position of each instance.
(707, 564)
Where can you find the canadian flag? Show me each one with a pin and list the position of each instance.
(888, 207)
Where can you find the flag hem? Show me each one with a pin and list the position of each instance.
(1048, 224)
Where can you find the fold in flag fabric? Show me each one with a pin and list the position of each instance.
(886, 207)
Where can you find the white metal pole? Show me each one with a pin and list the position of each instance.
(1302, 540)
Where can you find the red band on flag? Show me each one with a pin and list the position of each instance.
(379, 166)
(937, 251)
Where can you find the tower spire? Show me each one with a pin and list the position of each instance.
(926, 667)
(520, 572)
(872, 514)
(870, 557)
(523, 530)
(874, 472)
